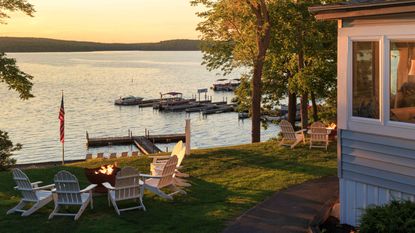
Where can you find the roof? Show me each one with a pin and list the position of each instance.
(361, 8)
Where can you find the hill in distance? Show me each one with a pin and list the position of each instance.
(29, 44)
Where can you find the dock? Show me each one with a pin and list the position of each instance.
(146, 144)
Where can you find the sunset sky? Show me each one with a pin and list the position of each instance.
(106, 20)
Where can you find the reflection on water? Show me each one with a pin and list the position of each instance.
(91, 81)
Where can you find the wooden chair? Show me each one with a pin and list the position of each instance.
(88, 156)
(127, 187)
(161, 160)
(100, 155)
(134, 153)
(157, 168)
(289, 136)
(113, 155)
(67, 192)
(165, 180)
(31, 193)
(124, 154)
(319, 135)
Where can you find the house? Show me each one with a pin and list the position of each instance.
(376, 102)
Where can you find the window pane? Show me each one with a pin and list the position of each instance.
(402, 82)
(366, 79)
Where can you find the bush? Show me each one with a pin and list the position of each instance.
(6, 151)
(395, 217)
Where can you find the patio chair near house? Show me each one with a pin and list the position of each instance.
(100, 155)
(68, 193)
(134, 153)
(88, 156)
(113, 156)
(127, 187)
(31, 193)
(124, 154)
(319, 135)
(154, 183)
(163, 159)
(289, 136)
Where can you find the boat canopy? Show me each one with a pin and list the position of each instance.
(172, 93)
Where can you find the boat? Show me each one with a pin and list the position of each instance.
(243, 115)
(128, 100)
(226, 84)
(169, 101)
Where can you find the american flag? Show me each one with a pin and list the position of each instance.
(62, 121)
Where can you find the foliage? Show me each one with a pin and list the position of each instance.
(14, 79)
(13, 6)
(225, 182)
(395, 217)
(6, 149)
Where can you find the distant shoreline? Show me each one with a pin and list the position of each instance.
(39, 45)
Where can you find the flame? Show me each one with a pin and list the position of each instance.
(332, 126)
(106, 169)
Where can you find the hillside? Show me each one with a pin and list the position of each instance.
(28, 44)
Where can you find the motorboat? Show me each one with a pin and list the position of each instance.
(128, 100)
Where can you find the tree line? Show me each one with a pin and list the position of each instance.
(28, 44)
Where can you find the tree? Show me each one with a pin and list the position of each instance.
(301, 59)
(235, 34)
(14, 78)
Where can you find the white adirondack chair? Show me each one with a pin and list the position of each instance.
(67, 192)
(163, 159)
(319, 135)
(157, 169)
(31, 193)
(164, 180)
(127, 187)
(289, 136)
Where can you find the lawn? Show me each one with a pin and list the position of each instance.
(225, 182)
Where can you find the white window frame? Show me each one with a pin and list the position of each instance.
(384, 34)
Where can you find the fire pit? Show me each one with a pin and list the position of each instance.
(105, 173)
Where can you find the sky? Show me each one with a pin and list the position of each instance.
(106, 20)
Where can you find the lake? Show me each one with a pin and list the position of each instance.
(91, 82)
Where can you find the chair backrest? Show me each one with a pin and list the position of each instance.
(168, 172)
(100, 155)
(24, 185)
(180, 156)
(177, 148)
(127, 184)
(124, 154)
(134, 153)
(287, 130)
(113, 155)
(67, 189)
(88, 156)
(318, 131)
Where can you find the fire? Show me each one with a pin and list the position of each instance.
(106, 169)
(332, 126)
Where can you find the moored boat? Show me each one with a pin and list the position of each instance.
(128, 100)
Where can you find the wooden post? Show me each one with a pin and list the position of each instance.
(187, 132)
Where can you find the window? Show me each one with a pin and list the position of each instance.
(402, 82)
(366, 79)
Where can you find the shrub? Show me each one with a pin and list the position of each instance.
(395, 217)
(6, 151)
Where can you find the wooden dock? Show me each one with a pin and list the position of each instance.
(146, 144)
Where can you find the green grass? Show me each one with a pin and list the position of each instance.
(225, 182)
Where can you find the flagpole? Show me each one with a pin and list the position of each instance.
(63, 141)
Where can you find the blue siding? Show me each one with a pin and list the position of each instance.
(374, 170)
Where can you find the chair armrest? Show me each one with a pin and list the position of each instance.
(35, 184)
(89, 188)
(108, 185)
(159, 157)
(301, 131)
(147, 176)
(50, 186)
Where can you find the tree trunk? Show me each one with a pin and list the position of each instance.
(304, 111)
(263, 37)
(256, 102)
(304, 96)
(315, 109)
(292, 108)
